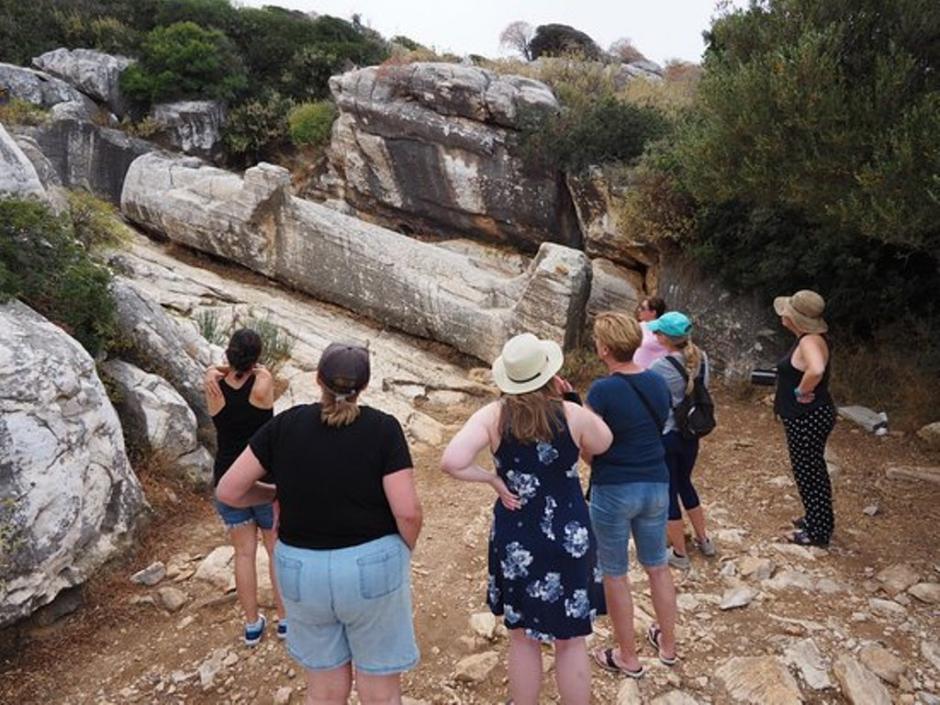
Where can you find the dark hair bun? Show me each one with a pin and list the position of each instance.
(243, 351)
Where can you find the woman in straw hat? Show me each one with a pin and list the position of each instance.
(542, 575)
(350, 517)
(803, 403)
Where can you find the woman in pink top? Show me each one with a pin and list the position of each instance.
(650, 350)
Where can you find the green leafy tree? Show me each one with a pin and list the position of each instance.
(559, 40)
(307, 75)
(210, 14)
(184, 61)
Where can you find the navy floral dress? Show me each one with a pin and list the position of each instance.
(543, 574)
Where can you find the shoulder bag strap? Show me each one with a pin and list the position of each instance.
(660, 424)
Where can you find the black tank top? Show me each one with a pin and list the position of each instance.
(788, 378)
(236, 424)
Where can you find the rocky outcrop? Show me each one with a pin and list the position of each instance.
(738, 332)
(191, 126)
(613, 288)
(433, 147)
(157, 420)
(56, 195)
(156, 342)
(18, 177)
(414, 286)
(41, 89)
(87, 156)
(92, 72)
(70, 498)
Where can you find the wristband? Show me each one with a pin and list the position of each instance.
(797, 393)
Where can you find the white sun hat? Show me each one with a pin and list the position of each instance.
(527, 364)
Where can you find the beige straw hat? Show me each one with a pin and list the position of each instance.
(526, 364)
(805, 308)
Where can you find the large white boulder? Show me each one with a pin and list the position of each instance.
(92, 72)
(70, 498)
(18, 176)
(41, 89)
(191, 126)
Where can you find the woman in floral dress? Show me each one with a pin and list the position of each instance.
(542, 573)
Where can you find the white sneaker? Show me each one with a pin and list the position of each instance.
(706, 546)
(677, 561)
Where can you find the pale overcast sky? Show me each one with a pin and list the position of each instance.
(661, 29)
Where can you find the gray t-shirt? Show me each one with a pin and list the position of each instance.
(674, 381)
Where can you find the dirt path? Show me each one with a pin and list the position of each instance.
(119, 648)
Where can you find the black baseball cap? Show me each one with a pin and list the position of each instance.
(344, 368)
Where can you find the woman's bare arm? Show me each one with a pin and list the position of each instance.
(406, 507)
(240, 486)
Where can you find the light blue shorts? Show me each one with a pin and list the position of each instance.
(349, 604)
(617, 511)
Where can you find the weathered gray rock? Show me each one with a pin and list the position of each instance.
(151, 575)
(920, 473)
(858, 684)
(155, 341)
(476, 668)
(930, 435)
(157, 420)
(812, 665)
(739, 332)
(926, 592)
(882, 663)
(41, 89)
(740, 596)
(18, 177)
(931, 652)
(172, 598)
(92, 72)
(87, 156)
(759, 680)
(62, 462)
(757, 568)
(434, 147)
(889, 609)
(56, 195)
(613, 288)
(483, 624)
(191, 126)
(414, 286)
(897, 578)
(216, 568)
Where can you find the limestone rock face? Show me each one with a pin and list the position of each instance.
(87, 156)
(156, 341)
(40, 88)
(417, 287)
(737, 332)
(56, 195)
(433, 146)
(94, 73)
(75, 498)
(157, 419)
(192, 126)
(18, 177)
(613, 288)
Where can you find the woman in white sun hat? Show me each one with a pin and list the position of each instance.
(542, 573)
(805, 407)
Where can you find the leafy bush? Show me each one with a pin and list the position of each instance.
(42, 264)
(210, 14)
(561, 39)
(307, 75)
(256, 128)
(21, 112)
(311, 123)
(184, 61)
(95, 223)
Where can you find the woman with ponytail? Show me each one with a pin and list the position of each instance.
(240, 397)
(350, 518)
(673, 331)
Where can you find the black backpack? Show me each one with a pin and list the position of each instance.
(695, 414)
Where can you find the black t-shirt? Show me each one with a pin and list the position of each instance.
(329, 480)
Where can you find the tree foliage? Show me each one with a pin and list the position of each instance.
(561, 39)
(256, 128)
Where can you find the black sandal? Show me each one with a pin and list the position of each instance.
(605, 659)
(652, 636)
(801, 538)
(799, 523)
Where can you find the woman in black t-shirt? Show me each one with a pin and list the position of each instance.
(350, 517)
(240, 397)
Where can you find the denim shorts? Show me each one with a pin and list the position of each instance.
(349, 604)
(617, 511)
(260, 514)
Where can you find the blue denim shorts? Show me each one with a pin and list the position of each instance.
(349, 604)
(260, 514)
(617, 511)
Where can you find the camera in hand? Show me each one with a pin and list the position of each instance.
(764, 377)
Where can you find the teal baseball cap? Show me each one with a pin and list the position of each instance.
(671, 324)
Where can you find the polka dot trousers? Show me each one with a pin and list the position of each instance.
(806, 441)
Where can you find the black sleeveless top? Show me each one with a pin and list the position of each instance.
(236, 424)
(788, 378)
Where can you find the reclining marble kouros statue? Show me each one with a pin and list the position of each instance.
(417, 287)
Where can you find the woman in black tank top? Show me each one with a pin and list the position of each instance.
(240, 398)
(804, 405)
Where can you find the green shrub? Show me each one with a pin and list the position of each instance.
(211, 327)
(21, 112)
(256, 129)
(311, 123)
(307, 75)
(42, 264)
(95, 223)
(184, 61)
(560, 39)
(210, 14)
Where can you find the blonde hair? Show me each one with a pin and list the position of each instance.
(692, 354)
(335, 412)
(531, 417)
(619, 332)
